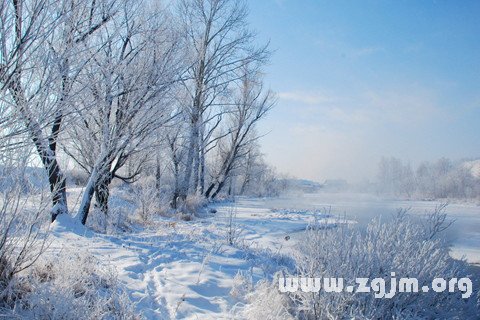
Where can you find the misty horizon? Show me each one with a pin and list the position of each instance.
(356, 82)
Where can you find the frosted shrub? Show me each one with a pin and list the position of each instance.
(22, 235)
(267, 303)
(233, 230)
(73, 286)
(149, 201)
(97, 221)
(77, 178)
(242, 285)
(117, 220)
(146, 199)
(193, 204)
(403, 246)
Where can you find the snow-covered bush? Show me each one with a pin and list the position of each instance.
(98, 221)
(267, 303)
(77, 178)
(69, 285)
(233, 230)
(146, 198)
(402, 246)
(22, 234)
(149, 201)
(194, 204)
(121, 216)
(117, 220)
(242, 286)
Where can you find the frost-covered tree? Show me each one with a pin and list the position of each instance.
(26, 81)
(249, 106)
(175, 140)
(256, 177)
(219, 45)
(438, 180)
(40, 46)
(395, 177)
(126, 97)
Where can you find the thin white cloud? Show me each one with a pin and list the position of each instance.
(409, 105)
(305, 97)
(355, 116)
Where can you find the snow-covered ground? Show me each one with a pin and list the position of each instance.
(187, 269)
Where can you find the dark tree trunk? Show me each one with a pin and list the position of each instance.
(219, 188)
(46, 149)
(209, 190)
(58, 190)
(202, 171)
(245, 183)
(176, 192)
(174, 203)
(102, 192)
(158, 175)
(230, 187)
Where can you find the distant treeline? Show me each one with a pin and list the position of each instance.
(430, 180)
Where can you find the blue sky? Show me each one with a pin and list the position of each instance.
(357, 80)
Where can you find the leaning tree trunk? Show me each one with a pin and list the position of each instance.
(222, 178)
(219, 182)
(84, 209)
(97, 176)
(219, 188)
(210, 189)
(56, 178)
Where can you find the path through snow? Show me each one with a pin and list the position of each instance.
(186, 270)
